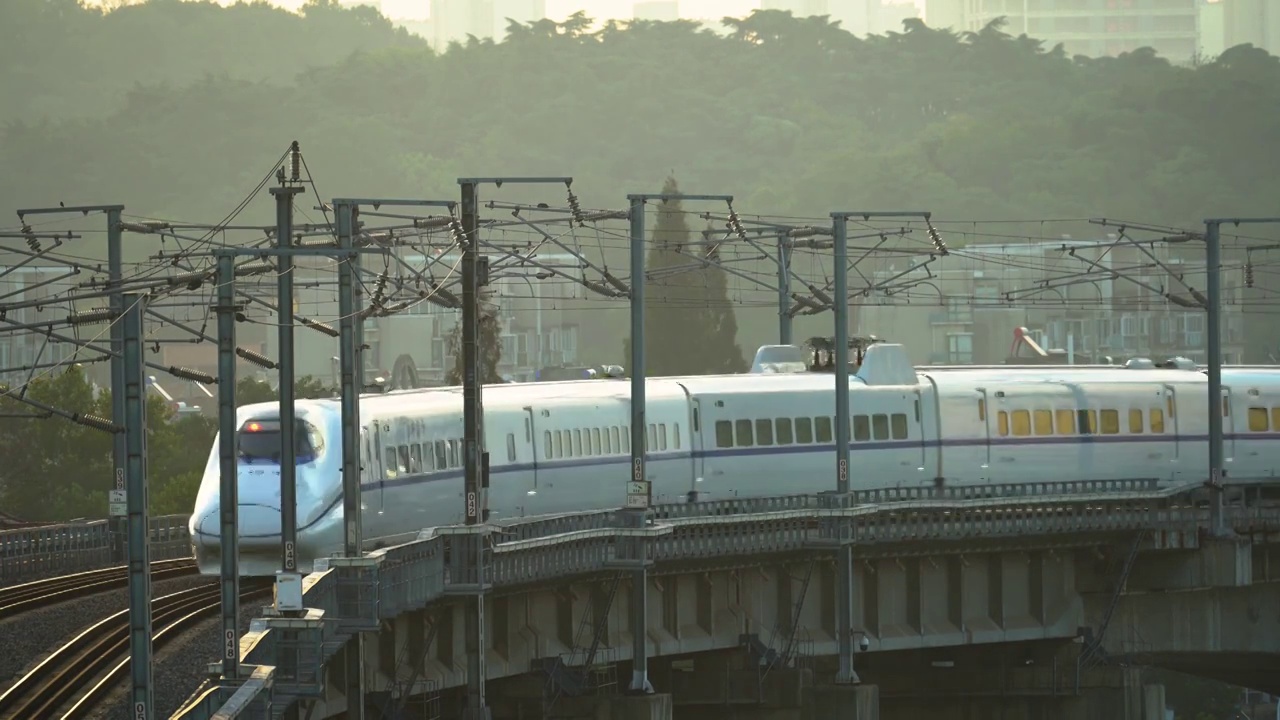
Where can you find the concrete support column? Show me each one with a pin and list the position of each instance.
(641, 707)
(842, 702)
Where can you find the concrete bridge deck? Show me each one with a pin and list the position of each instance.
(742, 594)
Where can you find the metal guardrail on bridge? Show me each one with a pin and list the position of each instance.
(28, 553)
(356, 594)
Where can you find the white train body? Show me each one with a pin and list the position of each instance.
(563, 447)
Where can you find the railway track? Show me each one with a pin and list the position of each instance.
(65, 675)
(18, 599)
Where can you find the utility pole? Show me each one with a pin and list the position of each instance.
(639, 499)
(115, 277)
(284, 196)
(228, 480)
(135, 431)
(1213, 327)
(844, 555)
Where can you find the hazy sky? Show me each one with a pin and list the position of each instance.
(559, 9)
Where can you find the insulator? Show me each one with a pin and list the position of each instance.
(603, 289)
(455, 227)
(318, 326)
(576, 209)
(187, 373)
(936, 239)
(97, 423)
(1248, 274)
(614, 281)
(295, 161)
(187, 278)
(34, 244)
(736, 225)
(607, 215)
(94, 315)
(254, 268)
(443, 298)
(256, 358)
(428, 223)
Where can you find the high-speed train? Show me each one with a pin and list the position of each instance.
(559, 447)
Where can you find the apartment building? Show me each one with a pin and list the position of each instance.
(967, 305)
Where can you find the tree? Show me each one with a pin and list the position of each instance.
(689, 324)
(251, 390)
(490, 345)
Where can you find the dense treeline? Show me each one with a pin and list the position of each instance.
(55, 469)
(792, 115)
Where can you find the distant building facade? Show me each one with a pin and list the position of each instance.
(658, 10)
(454, 20)
(968, 311)
(1084, 27)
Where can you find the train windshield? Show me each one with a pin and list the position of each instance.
(259, 441)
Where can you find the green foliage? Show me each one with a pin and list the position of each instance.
(689, 325)
(490, 346)
(250, 390)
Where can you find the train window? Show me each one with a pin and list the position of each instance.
(546, 437)
(861, 427)
(404, 459)
(1003, 423)
(662, 436)
(511, 447)
(917, 409)
(442, 460)
(1110, 422)
(880, 427)
(675, 435)
(697, 422)
(614, 444)
(652, 442)
(1157, 420)
(389, 462)
(558, 443)
(982, 409)
(1043, 420)
(626, 442)
(822, 426)
(804, 430)
(415, 458)
(1065, 421)
(1226, 406)
(577, 442)
(453, 453)
(528, 430)
(260, 440)
(1088, 420)
(724, 434)
(899, 424)
(1275, 418)
(596, 447)
(782, 427)
(1135, 422)
(764, 432)
(1021, 423)
(1258, 421)
(1169, 404)
(742, 434)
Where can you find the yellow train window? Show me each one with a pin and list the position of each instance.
(1066, 422)
(1021, 422)
(1275, 418)
(1043, 422)
(1004, 423)
(982, 409)
(1135, 421)
(1110, 422)
(1157, 420)
(1258, 421)
(1088, 421)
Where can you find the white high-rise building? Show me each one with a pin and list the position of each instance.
(659, 10)
(454, 20)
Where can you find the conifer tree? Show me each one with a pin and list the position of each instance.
(689, 325)
(489, 341)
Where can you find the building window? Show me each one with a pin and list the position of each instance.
(960, 348)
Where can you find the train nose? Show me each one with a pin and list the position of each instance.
(259, 525)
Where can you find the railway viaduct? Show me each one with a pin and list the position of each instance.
(1029, 602)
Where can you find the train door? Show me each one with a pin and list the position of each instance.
(918, 420)
(984, 419)
(1171, 422)
(371, 500)
(1228, 411)
(531, 441)
(695, 446)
